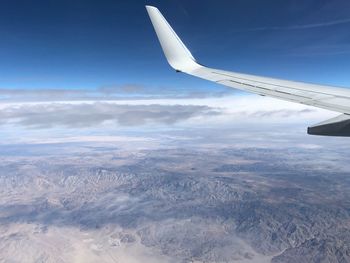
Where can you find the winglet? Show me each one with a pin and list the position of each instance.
(177, 54)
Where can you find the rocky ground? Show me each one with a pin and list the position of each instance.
(173, 203)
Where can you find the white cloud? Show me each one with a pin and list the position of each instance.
(94, 114)
(304, 26)
(87, 114)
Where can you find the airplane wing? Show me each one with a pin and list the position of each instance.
(326, 97)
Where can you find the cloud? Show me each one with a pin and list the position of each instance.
(81, 115)
(108, 92)
(300, 27)
(9, 93)
(127, 88)
(283, 113)
(206, 112)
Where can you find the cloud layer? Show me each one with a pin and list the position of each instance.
(108, 92)
(133, 113)
(81, 115)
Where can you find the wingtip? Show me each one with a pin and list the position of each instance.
(150, 7)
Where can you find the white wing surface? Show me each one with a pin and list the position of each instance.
(326, 97)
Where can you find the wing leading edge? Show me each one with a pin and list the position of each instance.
(326, 97)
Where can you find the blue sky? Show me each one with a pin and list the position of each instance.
(89, 44)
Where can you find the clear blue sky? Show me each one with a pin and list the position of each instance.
(88, 43)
